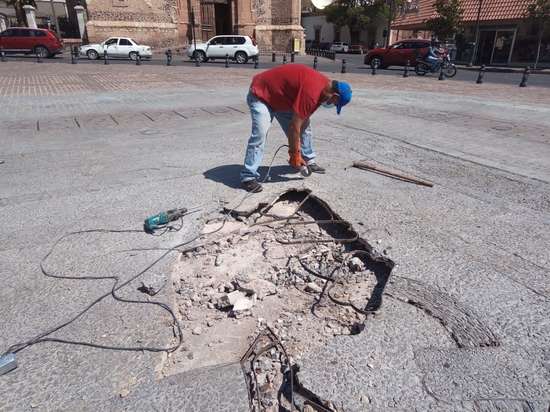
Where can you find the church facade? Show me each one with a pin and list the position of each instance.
(274, 24)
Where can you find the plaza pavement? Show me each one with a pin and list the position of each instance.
(464, 325)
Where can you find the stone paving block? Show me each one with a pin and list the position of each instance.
(191, 113)
(97, 121)
(53, 125)
(484, 374)
(219, 388)
(133, 119)
(19, 126)
(165, 116)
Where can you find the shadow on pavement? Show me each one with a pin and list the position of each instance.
(229, 174)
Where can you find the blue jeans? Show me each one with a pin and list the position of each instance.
(262, 117)
(434, 61)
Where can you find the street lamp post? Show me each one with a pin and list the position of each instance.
(476, 48)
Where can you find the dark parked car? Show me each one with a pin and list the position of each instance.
(36, 41)
(398, 53)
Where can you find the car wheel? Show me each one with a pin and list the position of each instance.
(376, 61)
(41, 51)
(133, 55)
(92, 55)
(241, 57)
(199, 55)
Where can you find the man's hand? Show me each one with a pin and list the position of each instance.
(296, 160)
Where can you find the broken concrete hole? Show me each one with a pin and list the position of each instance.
(292, 267)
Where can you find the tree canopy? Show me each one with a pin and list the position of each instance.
(358, 14)
(449, 18)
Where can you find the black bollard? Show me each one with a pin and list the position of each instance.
(481, 74)
(315, 62)
(284, 58)
(333, 56)
(168, 57)
(74, 55)
(256, 61)
(138, 59)
(105, 59)
(525, 77)
(292, 57)
(197, 60)
(2, 55)
(273, 57)
(374, 67)
(441, 74)
(226, 60)
(406, 70)
(343, 66)
(38, 58)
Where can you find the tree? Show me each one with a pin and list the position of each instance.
(391, 9)
(539, 13)
(449, 18)
(358, 14)
(19, 11)
(349, 13)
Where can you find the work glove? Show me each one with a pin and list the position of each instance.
(296, 160)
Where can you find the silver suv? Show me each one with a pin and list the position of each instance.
(238, 48)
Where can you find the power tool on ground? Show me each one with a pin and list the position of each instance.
(160, 220)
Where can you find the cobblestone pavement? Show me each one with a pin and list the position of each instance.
(103, 147)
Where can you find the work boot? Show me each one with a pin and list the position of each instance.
(315, 168)
(252, 186)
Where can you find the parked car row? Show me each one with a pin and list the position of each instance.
(45, 43)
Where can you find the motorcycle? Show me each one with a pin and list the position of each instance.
(424, 67)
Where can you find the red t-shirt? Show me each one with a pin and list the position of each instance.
(290, 88)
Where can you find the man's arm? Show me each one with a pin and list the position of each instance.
(295, 129)
(294, 133)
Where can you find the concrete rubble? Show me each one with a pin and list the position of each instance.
(258, 274)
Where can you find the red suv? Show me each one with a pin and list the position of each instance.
(398, 53)
(36, 41)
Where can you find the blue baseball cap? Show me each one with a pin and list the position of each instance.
(344, 90)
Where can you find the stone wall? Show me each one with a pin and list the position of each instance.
(274, 23)
(152, 22)
(278, 24)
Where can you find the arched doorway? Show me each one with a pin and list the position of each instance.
(216, 18)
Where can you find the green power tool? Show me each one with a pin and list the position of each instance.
(160, 220)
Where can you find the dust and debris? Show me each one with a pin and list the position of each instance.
(269, 269)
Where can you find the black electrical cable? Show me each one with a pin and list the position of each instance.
(42, 337)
